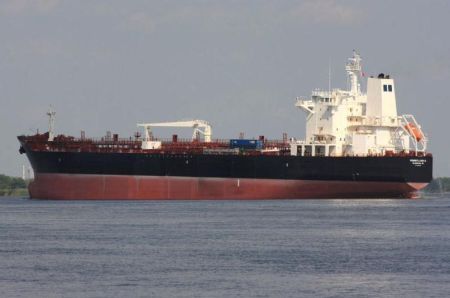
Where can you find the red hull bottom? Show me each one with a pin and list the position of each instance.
(121, 187)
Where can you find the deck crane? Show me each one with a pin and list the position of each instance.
(200, 127)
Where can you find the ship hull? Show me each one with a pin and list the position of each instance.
(128, 187)
(144, 176)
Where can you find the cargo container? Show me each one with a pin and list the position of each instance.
(246, 144)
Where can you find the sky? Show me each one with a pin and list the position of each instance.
(107, 65)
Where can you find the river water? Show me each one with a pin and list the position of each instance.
(280, 248)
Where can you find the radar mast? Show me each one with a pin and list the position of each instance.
(353, 69)
(51, 123)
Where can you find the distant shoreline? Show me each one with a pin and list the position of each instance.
(13, 186)
(18, 192)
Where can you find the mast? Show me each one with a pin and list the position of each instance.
(353, 69)
(51, 124)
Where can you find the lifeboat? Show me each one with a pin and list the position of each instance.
(414, 131)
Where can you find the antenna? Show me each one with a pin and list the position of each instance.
(329, 78)
(51, 123)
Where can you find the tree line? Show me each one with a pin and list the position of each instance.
(439, 185)
(9, 184)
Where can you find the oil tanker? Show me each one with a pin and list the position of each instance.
(356, 146)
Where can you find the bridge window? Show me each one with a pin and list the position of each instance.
(319, 151)
(385, 88)
(308, 151)
(390, 88)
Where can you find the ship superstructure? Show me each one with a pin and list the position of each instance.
(356, 145)
(352, 123)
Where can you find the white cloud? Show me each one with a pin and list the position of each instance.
(35, 48)
(147, 22)
(45, 47)
(141, 21)
(14, 7)
(234, 14)
(328, 12)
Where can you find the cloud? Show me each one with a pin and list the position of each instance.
(15, 7)
(148, 22)
(36, 48)
(327, 12)
(44, 47)
(140, 21)
(258, 15)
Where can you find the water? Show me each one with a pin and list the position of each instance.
(309, 248)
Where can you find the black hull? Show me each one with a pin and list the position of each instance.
(377, 169)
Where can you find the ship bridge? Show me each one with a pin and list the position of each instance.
(352, 123)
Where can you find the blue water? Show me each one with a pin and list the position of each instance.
(303, 248)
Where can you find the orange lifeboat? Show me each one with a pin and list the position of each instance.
(415, 131)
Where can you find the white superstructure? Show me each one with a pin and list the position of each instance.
(351, 123)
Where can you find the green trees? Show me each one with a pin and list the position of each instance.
(9, 184)
(439, 185)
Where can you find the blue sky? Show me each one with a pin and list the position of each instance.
(107, 65)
